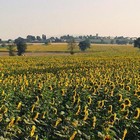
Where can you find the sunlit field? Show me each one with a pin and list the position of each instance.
(63, 47)
(85, 96)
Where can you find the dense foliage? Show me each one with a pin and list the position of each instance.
(72, 45)
(137, 42)
(79, 97)
(83, 45)
(21, 46)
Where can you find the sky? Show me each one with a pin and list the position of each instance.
(74, 17)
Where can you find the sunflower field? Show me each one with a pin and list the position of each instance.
(77, 97)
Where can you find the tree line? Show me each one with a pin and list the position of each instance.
(21, 45)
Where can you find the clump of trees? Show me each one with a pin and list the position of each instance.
(21, 45)
(83, 45)
(137, 43)
(71, 45)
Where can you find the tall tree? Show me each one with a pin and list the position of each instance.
(11, 49)
(21, 45)
(137, 42)
(71, 45)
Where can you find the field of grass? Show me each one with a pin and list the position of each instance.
(86, 96)
(62, 47)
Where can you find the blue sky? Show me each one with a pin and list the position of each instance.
(74, 17)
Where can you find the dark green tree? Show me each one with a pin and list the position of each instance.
(71, 45)
(83, 45)
(21, 45)
(137, 43)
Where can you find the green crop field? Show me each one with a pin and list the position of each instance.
(85, 96)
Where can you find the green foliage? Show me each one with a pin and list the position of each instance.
(83, 45)
(137, 42)
(11, 49)
(71, 45)
(60, 96)
(21, 46)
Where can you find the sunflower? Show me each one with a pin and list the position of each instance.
(78, 100)
(73, 135)
(112, 93)
(75, 123)
(11, 122)
(135, 93)
(3, 92)
(43, 115)
(1, 117)
(85, 109)
(18, 119)
(126, 113)
(127, 88)
(5, 111)
(74, 97)
(112, 119)
(127, 102)
(110, 109)
(58, 121)
(86, 115)
(94, 122)
(19, 105)
(32, 109)
(107, 137)
(100, 104)
(121, 85)
(106, 90)
(78, 111)
(120, 97)
(36, 116)
(37, 99)
(137, 113)
(112, 86)
(123, 106)
(32, 131)
(124, 134)
(89, 100)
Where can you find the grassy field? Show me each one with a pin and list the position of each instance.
(85, 96)
(95, 48)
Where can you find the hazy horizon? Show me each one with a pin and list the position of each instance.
(74, 17)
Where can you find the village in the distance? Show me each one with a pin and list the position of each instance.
(95, 39)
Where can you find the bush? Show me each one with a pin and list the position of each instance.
(83, 45)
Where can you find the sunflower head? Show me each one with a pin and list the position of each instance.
(123, 106)
(137, 113)
(124, 134)
(127, 88)
(127, 102)
(100, 104)
(107, 137)
(126, 113)
(110, 109)
(120, 97)
(112, 118)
